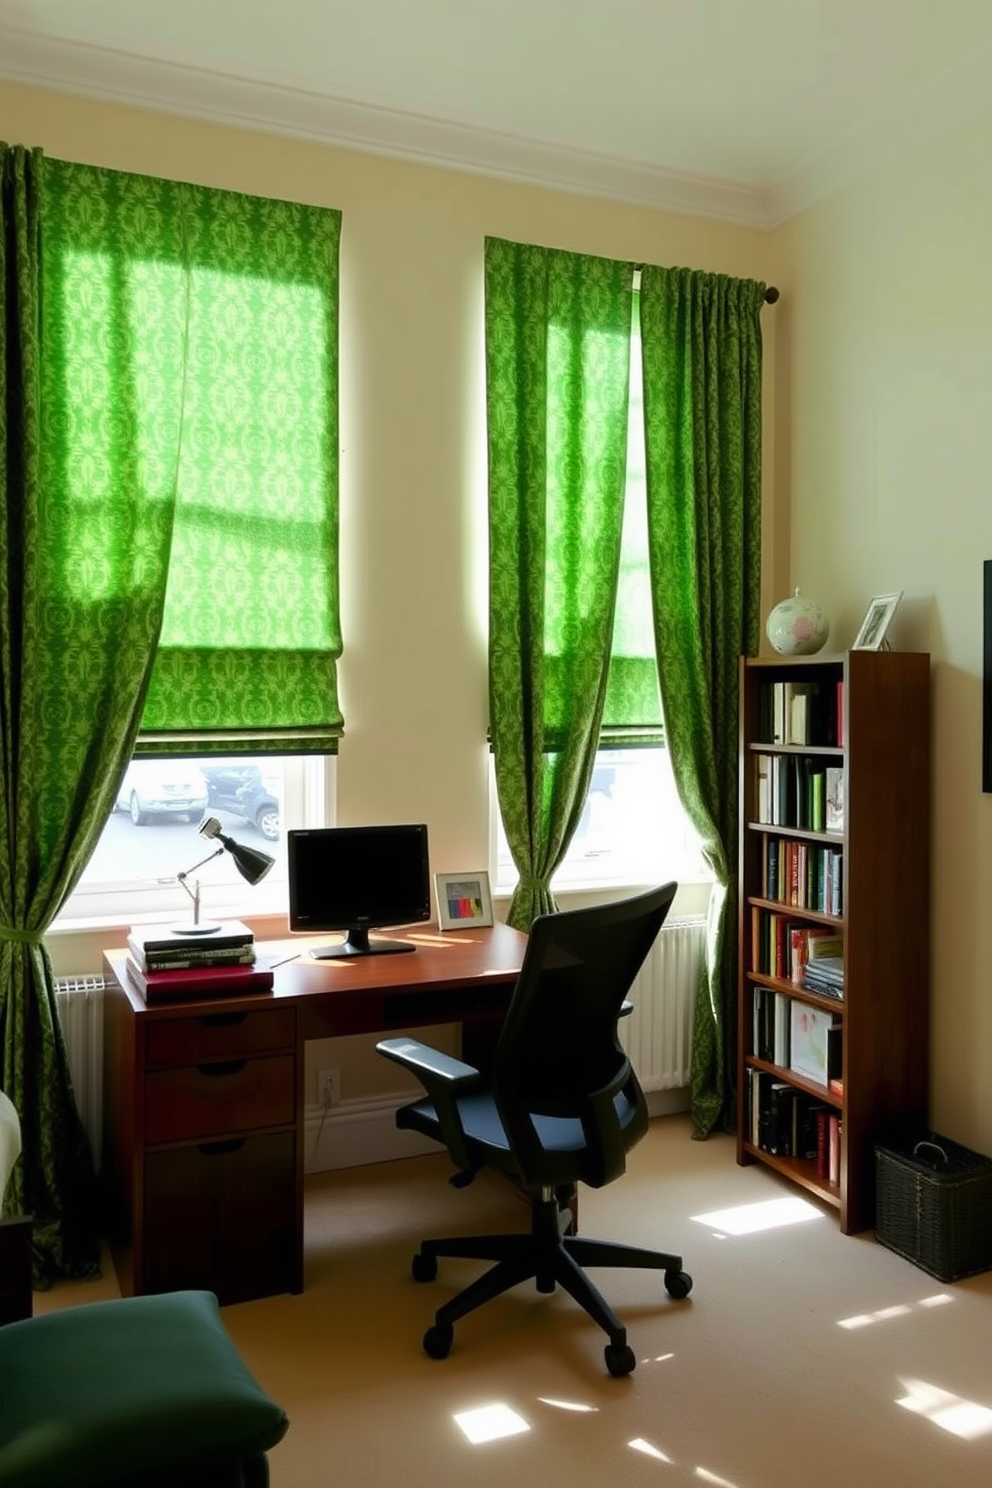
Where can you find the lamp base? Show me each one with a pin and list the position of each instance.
(205, 927)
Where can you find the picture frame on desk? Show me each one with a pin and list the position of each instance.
(878, 618)
(463, 900)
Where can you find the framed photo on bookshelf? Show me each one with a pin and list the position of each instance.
(878, 618)
(463, 900)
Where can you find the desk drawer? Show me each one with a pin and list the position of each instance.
(224, 1216)
(210, 1100)
(220, 1036)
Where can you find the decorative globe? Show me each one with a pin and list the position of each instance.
(797, 627)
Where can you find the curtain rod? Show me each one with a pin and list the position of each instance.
(771, 292)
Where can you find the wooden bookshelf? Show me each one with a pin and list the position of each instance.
(882, 853)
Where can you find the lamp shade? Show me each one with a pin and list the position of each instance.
(250, 863)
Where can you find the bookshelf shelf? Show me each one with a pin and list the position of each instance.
(800, 1172)
(859, 741)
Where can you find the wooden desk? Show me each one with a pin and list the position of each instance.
(203, 1128)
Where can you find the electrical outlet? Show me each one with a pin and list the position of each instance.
(329, 1087)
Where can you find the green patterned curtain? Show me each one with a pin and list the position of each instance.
(86, 532)
(557, 363)
(247, 659)
(701, 338)
(168, 415)
(632, 711)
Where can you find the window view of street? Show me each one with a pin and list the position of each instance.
(152, 834)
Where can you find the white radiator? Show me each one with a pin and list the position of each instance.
(657, 1035)
(79, 1001)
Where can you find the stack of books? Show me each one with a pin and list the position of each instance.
(163, 963)
(825, 974)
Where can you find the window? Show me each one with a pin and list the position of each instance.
(633, 829)
(191, 381)
(152, 834)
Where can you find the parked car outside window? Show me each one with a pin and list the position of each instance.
(153, 788)
(242, 790)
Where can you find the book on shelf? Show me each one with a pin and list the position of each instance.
(782, 1120)
(797, 711)
(813, 1050)
(762, 795)
(204, 981)
(826, 976)
(780, 1043)
(809, 942)
(778, 1127)
(836, 1129)
(834, 802)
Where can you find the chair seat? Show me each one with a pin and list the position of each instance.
(486, 1135)
(144, 1390)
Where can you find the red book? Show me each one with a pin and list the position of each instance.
(205, 981)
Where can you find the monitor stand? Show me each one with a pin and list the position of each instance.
(358, 944)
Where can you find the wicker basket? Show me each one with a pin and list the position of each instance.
(934, 1206)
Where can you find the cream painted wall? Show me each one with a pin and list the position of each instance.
(888, 349)
(413, 673)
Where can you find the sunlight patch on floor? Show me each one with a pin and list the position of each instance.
(567, 1405)
(885, 1314)
(640, 1445)
(490, 1423)
(950, 1412)
(749, 1219)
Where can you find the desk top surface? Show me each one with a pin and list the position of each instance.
(443, 960)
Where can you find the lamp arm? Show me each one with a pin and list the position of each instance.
(194, 892)
(183, 876)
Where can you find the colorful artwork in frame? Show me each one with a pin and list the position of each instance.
(463, 900)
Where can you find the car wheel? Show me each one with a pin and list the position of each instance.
(267, 822)
(138, 816)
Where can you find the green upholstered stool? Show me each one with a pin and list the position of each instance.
(145, 1392)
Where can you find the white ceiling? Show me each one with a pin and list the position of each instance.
(743, 109)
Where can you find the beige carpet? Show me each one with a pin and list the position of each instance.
(801, 1360)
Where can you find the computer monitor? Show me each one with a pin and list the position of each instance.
(358, 879)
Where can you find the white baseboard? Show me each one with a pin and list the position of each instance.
(667, 1102)
(364, 1131)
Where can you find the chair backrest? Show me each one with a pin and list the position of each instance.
(559, 1055)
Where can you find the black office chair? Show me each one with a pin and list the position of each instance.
(561, 1106)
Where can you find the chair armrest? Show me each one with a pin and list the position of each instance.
(444, 1078)
(437, 1072)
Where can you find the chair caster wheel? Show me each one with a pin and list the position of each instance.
(423, 1267)
(437, 1342)
(678, 1284)
(620, 1359)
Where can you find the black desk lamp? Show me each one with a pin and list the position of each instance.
(250, 863)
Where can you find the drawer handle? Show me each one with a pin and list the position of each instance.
(221, 1020)
(218, 1149)
(228, 1067)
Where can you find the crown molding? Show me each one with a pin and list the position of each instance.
(943, 103)
(101, 73)
(940, 104)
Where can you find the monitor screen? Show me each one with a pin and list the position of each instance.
(358, 879)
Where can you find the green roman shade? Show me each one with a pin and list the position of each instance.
(192, 351)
